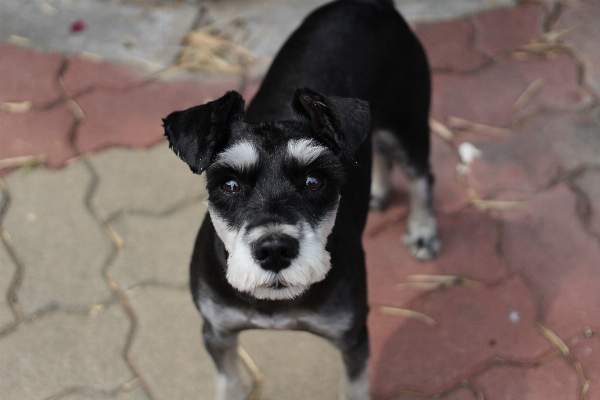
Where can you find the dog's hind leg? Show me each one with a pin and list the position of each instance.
(421, 235)
(223, 348)
(380, 174)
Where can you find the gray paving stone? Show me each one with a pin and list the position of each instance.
(169, 351)
(7, 272)
(157, 249)
(60, 244)
(168, 348)
(148, 33)
(113, 31)
(152, 180)
(299, 364)
(134, 394)
(61, 351)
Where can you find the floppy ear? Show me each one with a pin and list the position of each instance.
(196, 133)
(340, 123)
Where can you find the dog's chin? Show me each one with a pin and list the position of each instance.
(279, 292)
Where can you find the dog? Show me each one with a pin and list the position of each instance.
(291, 179)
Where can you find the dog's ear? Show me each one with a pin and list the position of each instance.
(339, 122)
(196, 133)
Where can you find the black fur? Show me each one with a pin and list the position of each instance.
(353, 66)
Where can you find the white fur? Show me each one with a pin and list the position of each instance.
(381, 183)
(305, 150)
(243, 272)
(240, 156)
(421, 222)
(230, 387)
(357, 389)
(231, 318)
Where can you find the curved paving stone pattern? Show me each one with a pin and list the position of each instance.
(94, 255)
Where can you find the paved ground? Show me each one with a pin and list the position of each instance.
(96, 241)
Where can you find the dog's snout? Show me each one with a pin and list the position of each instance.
(276, 253)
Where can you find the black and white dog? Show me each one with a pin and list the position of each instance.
(289, 185)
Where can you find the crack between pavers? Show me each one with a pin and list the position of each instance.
(561, 349)
(19, 274)
(95, 393)
(534, 293)
(107, 229)
(583, 206)
(91, 310)
(166, 212)
(21, 319)
(490, 59)
(496, 362)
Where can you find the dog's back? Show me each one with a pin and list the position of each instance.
(380, 61)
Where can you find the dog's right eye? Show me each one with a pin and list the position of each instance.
(231, 186)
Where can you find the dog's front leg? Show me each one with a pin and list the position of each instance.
(354, 384)
(222, 346)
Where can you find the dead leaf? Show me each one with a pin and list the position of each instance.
(556, 341)
(401, 312)
(15, 107)
(23, 161)
(441, 129)
(465, 125)
(534, 88)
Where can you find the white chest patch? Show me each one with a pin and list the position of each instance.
(230, 318)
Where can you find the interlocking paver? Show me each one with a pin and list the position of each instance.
(583, 16)
(310, 369)
(473, 326)
(115, 31)
(62, 247)
(61, 351)
(522, 162)
(160, 180)
(37, 133)
(83, 74)
(450, 45)
(134, 394)
(502, 31)
(587, 352)
(546, 240)
(7, 272)
(590, 183)
(157, 249)
(555, 379)
(168, 347)
(19, 67)
(133, 117)
(489, 95)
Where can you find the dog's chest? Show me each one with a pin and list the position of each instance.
(231, 318)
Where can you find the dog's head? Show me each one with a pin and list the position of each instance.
(274, 187)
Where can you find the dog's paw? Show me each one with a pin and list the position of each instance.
(422, 238)
(231, 389)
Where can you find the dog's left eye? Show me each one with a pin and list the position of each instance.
(231, 186)
(313, 182)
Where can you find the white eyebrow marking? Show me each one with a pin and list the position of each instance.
(305, 150)
(240, 156)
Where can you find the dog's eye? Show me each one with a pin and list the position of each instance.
(231, 186)
(313, 182)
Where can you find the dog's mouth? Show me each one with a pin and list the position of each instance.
(278, 285)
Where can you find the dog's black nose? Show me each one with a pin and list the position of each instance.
(276, 253)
